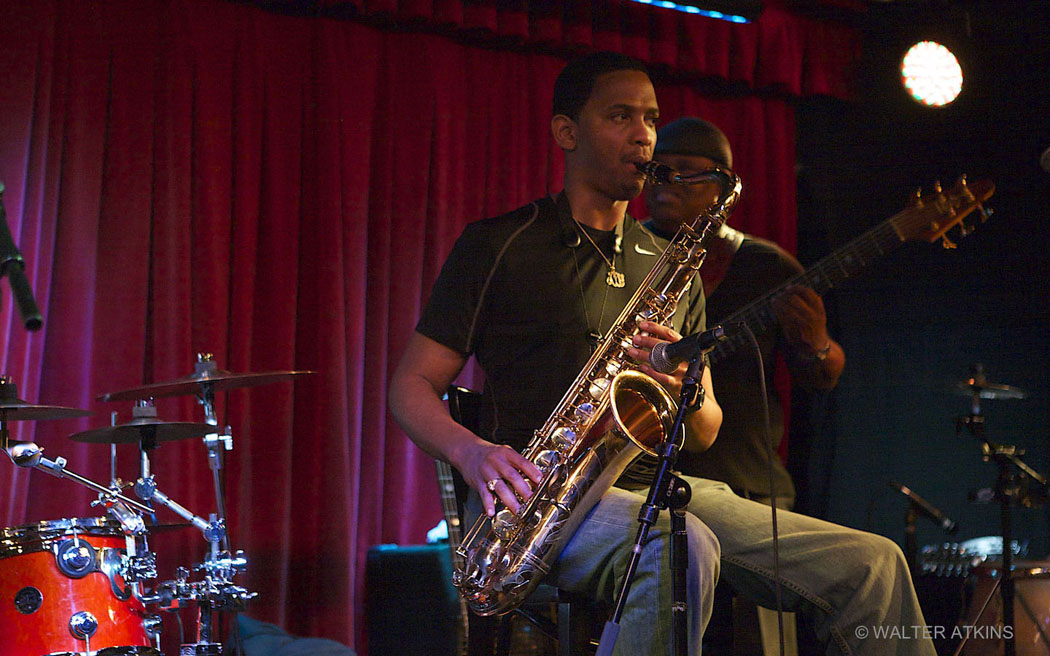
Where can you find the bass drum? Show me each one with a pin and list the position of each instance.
(61, 591)
(983, 620)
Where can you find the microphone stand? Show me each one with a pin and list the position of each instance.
(668, 491)
(911, 545)
(13, 266)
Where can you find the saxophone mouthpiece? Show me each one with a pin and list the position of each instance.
(658, 173)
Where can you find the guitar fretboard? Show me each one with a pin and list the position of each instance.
(826, 274)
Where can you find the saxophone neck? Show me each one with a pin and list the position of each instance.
(729, 192)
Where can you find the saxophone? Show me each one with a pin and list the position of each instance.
(609, 416)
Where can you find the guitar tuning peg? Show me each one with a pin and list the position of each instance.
(964, 229)
(961, 182)
(937, 187)
(984, 212)
(915, 200)
(947, 243)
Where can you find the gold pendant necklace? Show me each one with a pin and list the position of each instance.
(613, 278)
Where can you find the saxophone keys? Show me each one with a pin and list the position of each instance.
(503, 524)
(547, 458)
(597, 388)
(564, 438)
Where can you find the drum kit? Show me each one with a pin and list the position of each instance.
(991, 601)
(87, 586)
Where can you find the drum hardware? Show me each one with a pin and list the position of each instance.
(216, 592)
(113, 616)
(1017, 484)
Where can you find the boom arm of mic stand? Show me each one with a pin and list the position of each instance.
(13, 265)
(30, 455)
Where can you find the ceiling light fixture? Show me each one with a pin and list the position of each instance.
(931, 74)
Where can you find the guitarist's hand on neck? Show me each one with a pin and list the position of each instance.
(814, 359)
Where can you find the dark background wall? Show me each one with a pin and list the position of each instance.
(914, 323)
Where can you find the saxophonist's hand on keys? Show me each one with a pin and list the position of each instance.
(651, 335)
(702, 426)
(498, 471)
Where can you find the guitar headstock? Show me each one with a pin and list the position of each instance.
(930, 218)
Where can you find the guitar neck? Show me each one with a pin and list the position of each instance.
(826, 274)
(449, 509)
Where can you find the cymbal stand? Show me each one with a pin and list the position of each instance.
(146, 486)
(215, 442)
(1011, 489)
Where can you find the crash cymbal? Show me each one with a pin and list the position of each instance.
(13, 408)
(19, 410)
(218, 379)
(144, 428)
(986, 390)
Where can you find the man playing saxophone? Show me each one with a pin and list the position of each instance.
(529, 294)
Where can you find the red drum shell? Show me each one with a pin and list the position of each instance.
(1031, 610)
(27, 561)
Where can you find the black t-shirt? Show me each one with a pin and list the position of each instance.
(740, 455)
(522, 291)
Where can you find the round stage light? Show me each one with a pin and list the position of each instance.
(931, 74)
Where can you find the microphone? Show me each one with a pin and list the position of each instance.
(665, 356)
(13, 266)
(926, 507)
(658, 172)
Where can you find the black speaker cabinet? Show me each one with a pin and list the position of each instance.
(411, 605)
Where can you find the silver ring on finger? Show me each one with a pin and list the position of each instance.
(491, 485)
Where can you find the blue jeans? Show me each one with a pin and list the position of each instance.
(853, 585)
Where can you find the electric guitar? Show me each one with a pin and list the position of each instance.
(923, 219)
(449, 507)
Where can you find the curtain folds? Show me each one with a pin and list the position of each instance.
(197, 176)
(779, 51)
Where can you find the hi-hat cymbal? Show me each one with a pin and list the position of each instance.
(986, 390)
(217, 378)
(144, 428)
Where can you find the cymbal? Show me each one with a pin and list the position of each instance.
(987, 390)
(13, 408)
(218, 379)
(19, 410)
(143, 428)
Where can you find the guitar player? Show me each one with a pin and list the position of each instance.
(738, 270)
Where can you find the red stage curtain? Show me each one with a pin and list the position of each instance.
(191, 176)
(780, 50)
